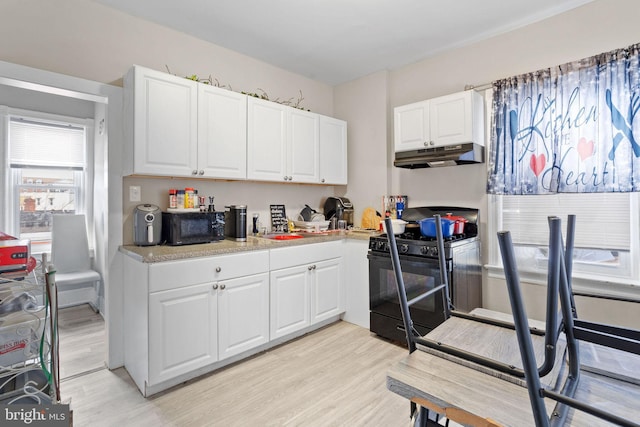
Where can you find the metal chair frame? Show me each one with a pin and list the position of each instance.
(625, 339)
(559, 286)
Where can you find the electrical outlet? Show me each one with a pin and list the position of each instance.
(134, 193)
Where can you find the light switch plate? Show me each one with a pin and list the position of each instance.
(134, 193)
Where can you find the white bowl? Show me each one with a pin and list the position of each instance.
(397, 225)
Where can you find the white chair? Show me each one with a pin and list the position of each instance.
(77, 282)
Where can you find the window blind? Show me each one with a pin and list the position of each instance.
(602, 219)
(44, 144)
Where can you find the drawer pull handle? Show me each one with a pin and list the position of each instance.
(215, 286)
(223, 286)
(218, 269)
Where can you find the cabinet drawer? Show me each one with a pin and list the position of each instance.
(177, 274)
(298, 255)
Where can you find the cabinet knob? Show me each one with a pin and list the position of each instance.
(322, 180)
(432, 142)
(223, 286)
(201, 172)
(194, 172)
(218, 269)
(310, 268)
(426, 143)
(215, 286)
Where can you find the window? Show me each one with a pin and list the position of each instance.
(606, 234)
(48, 172)
(564, 140)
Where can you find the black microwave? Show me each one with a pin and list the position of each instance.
(188, 228)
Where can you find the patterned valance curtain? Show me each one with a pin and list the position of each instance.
(568, 129)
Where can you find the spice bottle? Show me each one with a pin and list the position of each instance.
(173, 198)
(188, 198)
(180, 199)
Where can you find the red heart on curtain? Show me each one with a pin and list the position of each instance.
(537, 163)
(585, 149)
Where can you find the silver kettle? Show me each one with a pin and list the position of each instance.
(147, 225)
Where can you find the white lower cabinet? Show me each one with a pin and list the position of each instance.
(327, 295)
(306, 286)
(183, 331)
(184, 317)
(243, 314)
(187, 317)
(193, 327)
(290, 310)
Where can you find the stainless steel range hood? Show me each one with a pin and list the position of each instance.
(449, 155)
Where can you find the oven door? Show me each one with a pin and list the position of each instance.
(419, 275)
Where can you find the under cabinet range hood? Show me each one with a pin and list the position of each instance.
(448, 155)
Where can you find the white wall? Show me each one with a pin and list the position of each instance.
(85, 39)
(363, 103)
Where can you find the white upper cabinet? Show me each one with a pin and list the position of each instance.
(411, 126)
(184, 128)
(282, 143)
(266, 140)
(222, 133)
(164, 123)
(446, 120)
(303, 151)
(333, 151)
(178, 127)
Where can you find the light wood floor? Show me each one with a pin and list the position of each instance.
(332, 377)
(82, 340)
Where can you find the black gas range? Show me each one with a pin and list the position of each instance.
(421, 270)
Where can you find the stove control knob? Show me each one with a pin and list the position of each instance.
(404, 248)
(381, 245)
(424, 250)
(433, 252)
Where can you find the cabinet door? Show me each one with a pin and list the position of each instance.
(243, 314)
(182, 331)
(289, 300)
(222, 133)
(451, 119)
(266, 140)
(411, 126)
(327, 297)
(333, 151)
(165, 124)
(303, 151)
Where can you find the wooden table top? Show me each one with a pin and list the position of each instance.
(475, 396)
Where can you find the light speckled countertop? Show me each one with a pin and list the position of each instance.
(160, 253)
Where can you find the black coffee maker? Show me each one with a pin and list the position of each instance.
(340, 208)
(235, 219)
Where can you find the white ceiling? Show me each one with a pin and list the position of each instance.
(335, 41)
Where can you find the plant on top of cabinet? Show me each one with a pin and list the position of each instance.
(262, 95)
